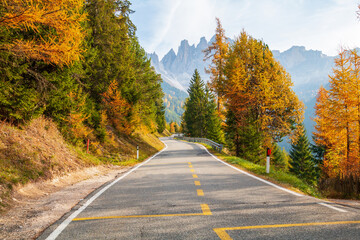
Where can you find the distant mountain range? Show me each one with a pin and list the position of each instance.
(309, 69)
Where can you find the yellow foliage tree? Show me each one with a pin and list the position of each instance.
(60, 44)
(217, 52)
(78, 116)
(117, 108)
(338, 117)
(258, 88)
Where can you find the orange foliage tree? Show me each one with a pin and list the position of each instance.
(217, 51)
(338, 117)
(258, 88)
(78, 116)
(117, 108)
(46, 30)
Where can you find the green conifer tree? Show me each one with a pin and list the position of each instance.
(279, 158)
(302, 162)
(195, 107)
(213, 122)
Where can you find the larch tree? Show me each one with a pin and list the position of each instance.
(217, 52)
(337, 120)
(46, 30)
(258, 93)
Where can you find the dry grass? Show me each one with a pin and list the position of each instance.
(38, 152)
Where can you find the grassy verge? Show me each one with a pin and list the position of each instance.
(281, 178)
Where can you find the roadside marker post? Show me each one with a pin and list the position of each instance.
(137, 152)
(87, 146)
(268, 153)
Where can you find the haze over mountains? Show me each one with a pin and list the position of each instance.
(309, 69)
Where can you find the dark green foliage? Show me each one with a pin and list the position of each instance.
(246, 140)
(213, 122)
(200, 118)
(302, 162)
(279, 157)
(195, 108)
(160, 116)
(117, 55)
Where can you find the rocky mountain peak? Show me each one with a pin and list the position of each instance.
(202, 44)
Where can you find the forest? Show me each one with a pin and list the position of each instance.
(78, 65)
(249, 106)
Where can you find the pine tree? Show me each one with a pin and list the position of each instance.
(279, 158)
(195, 108)
(213, 121)
(302, 162)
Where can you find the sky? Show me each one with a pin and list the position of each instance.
(325, 25)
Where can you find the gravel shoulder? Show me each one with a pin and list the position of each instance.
(38, 205)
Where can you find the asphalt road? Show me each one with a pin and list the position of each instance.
(185, 193)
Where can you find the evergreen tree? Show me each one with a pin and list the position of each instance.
(302, 162)
(195, 107)
(279, 158)
(213, 121)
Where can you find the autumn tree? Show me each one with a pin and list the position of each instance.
(337, 120)
(47, 30)
(217, 53)
(41, 43)
(258, 92)
(117, 108)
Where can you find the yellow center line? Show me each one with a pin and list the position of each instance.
(221, 232)
(204, 207)
(190, 166)
(206, 210)
(192, 170)
(195, 176)
(197, 183)
(200, 192)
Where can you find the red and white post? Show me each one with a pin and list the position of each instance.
(268, 153)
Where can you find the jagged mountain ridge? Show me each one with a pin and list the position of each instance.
(309, 69)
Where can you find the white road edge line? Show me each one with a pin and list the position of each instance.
(66, 222)
(332, 207)
(255, 177)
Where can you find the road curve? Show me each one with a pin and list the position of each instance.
(185, 193)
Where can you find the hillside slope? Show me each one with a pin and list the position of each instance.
(38, 152)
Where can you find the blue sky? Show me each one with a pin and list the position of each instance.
(324, 25)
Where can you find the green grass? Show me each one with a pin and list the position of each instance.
(279, 177)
